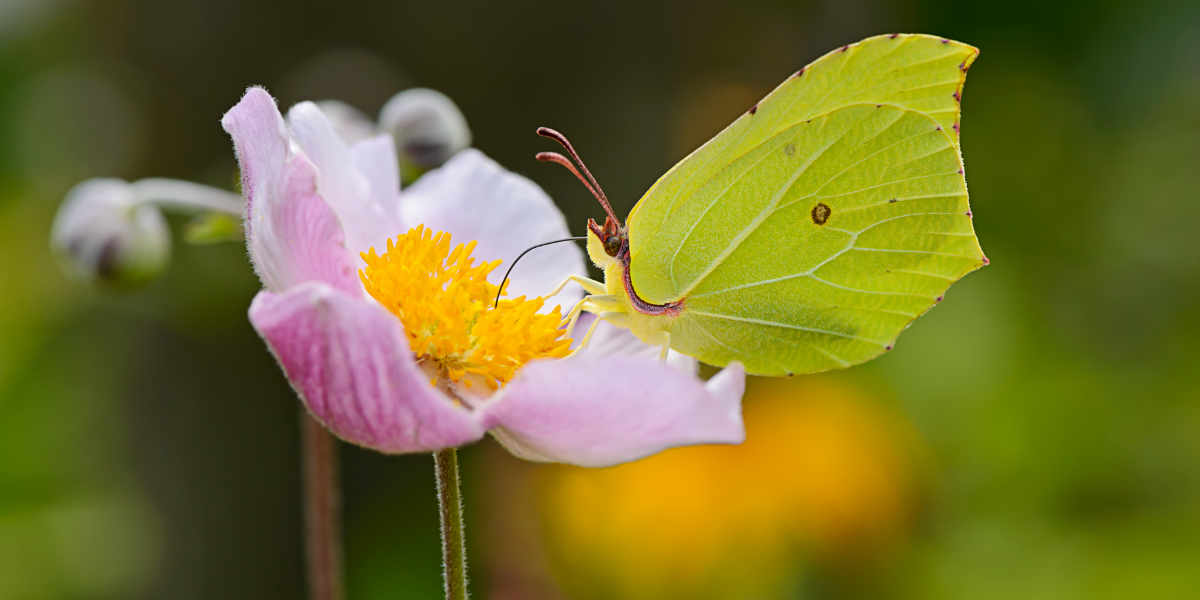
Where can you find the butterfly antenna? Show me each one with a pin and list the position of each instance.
(559, 159)
(522, 254)
(590, 182)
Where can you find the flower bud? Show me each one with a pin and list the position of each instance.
(427, 126)
(105, 235)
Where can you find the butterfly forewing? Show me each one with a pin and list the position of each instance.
(919, 72)
(808, 234)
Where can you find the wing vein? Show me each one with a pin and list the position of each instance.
(911, 89)
(913, 159)
(782, 367)
(905, 216)
(716, 200)
(899, 251)
(878, 60)
(887, 183)
(903, 199)
(675, 198)
(923, 273)
(850, 245)
(780, 325)
(759, 219)
(859, 161)
(925, 62)
(862, 291)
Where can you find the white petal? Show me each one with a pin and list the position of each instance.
(474, 198)
(610, 340)
(367, 222)
(375, 158)
(599, 411)
(349, 122)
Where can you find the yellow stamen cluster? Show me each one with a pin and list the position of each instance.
(445, 302)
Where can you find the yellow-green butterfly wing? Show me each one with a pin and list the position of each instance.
(810, 232)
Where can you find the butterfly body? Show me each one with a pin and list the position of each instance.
(813, 229)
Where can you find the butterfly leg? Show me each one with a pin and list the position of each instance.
(572, 315)
(590, 286)
(586, 304)
(588, 336)
(601, 306)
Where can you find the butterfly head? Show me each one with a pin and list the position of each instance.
(612, 236)
(605, 243)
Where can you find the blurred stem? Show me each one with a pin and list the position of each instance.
(322, 510)
(454, 548)
(188, 197)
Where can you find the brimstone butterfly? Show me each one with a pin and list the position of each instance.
(812, 230)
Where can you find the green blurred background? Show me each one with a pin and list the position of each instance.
(1035, 436)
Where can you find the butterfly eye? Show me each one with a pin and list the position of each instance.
(612, 245)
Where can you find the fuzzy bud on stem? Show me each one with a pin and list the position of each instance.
(113, 232)
(428, 129)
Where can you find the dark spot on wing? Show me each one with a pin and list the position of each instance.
(754, 109)
(789, 149)
(820, 213)
(893, 200)
(846, 47)
(893, 36)
(800, 72)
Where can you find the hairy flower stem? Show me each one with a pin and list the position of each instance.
(322, 510)
(454, 550)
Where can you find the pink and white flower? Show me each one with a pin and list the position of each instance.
(316, 206)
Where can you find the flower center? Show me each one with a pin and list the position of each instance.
(444, 301)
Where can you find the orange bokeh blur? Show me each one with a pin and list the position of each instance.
(827, 473)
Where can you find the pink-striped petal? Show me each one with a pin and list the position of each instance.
(598, 411)
(291, 233)
(349, 361)
(368, 216)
